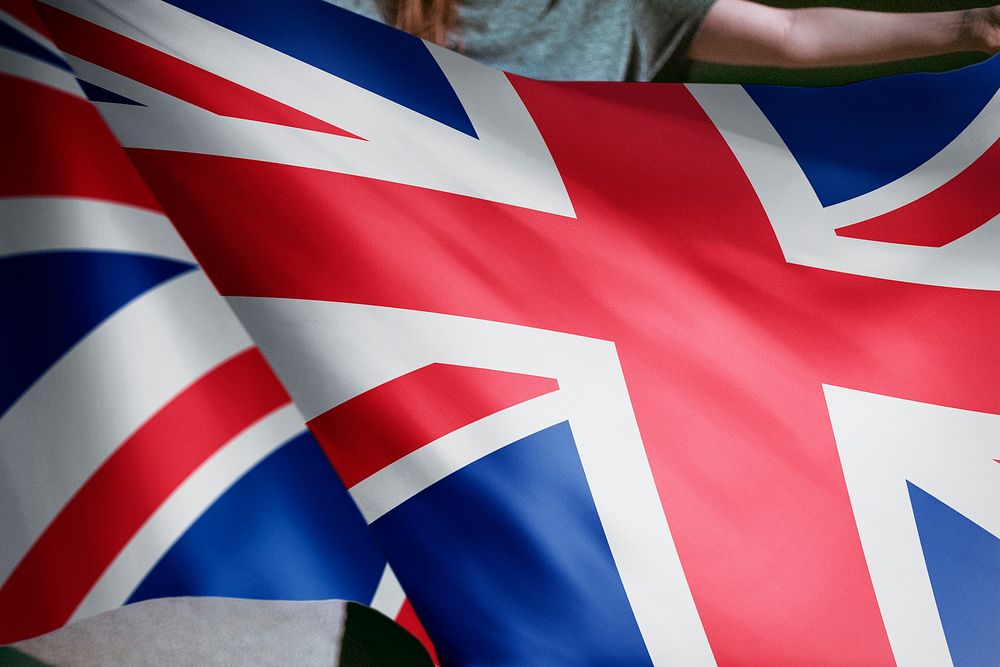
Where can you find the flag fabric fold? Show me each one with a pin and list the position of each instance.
(226, 631)
(146, 449)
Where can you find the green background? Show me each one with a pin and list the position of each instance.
(711, 73)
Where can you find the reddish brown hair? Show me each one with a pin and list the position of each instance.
(433, 20)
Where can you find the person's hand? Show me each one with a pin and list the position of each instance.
(741, 32)
(981, 29)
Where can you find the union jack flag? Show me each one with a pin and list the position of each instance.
(615, 373)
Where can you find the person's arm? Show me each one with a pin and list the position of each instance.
(739, 32)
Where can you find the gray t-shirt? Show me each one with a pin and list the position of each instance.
(588, 40)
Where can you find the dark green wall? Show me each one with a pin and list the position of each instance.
(709, 73)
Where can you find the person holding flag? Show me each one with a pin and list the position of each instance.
(655, 40)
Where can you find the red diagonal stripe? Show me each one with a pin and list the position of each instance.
(961, 205)
(62, 566)
(172, 75)
(37, 122)
(363, 435)
(407, 618)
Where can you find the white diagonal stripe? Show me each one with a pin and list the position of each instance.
(401, 480)
(64, 427)
(389, 595)
(787, 192)
(205, 485)
(37, 71)
(39, 224)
